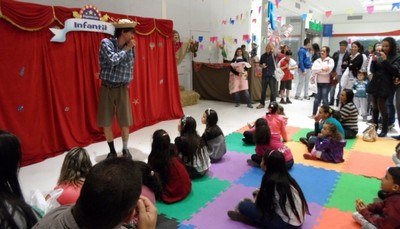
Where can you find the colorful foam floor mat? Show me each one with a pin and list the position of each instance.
(330, 189)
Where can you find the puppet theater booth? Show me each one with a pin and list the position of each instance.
(49, 90)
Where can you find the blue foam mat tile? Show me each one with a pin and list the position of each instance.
(316, 183)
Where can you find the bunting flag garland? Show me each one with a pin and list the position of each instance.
(328, 13)
(396, 5)
(370, 9)
(349, 12)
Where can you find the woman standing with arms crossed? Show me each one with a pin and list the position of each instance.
(385, 67)
(321, 69)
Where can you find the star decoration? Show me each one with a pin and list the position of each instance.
(161, 81)
(135, 101)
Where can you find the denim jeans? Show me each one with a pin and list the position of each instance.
(246, 95)
(322, 94)
(271, 81)
(249, 209)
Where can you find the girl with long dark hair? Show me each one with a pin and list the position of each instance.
(279, 203)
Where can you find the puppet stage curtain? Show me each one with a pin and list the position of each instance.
(49, 91)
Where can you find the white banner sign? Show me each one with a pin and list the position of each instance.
(75, 24)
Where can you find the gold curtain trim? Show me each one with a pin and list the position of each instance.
(55, 17)
(155, 28)
(24, 28)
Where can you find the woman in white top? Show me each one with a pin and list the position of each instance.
(321, 70)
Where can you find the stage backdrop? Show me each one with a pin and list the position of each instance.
(49, 91)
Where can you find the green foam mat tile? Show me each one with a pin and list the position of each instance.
(351, 187)
(204, 190)
(350, 143)
(234, 143)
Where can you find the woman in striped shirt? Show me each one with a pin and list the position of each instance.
(348, 114)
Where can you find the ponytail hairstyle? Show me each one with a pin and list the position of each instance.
(273, 107)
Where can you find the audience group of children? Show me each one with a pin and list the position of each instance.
(281, 203)
(278, 203)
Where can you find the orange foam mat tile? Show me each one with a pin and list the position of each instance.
(290, 130)
(242, 129)
(360, 163)
(382, 146)
(298, 149)
(333, 218)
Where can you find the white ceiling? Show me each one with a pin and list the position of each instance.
(337, 7)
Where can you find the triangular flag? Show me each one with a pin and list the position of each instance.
(370, 9)
(279, 18)
(254, 20)
(396, 5)
(349, 12)
(328, 13)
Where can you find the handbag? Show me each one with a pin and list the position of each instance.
(278, 73)
(333, 79)
(369, 134)
(258, 71)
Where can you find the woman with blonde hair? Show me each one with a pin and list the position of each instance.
(75, 167)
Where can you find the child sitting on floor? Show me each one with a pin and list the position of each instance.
(329, 147)
(191, 148)
(276, 121)
(279, 203)
(175, 180)
(213, 136)
(267, 141)
(325, 114)
(386, 213)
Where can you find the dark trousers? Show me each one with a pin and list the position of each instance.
(271, 81)
(379, 106)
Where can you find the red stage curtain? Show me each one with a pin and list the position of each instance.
(49, 91)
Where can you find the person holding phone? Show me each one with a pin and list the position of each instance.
(385, 67)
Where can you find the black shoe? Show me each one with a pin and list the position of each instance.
(282, 101)
(126, 153)
(382, 134)
(396, 137)
(288, 101)
(304, 141)
(330, 103)
(111, 155)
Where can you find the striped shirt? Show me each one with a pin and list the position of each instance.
(116, 65)
(349, 116)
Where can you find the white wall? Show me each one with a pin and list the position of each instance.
(371, 23)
